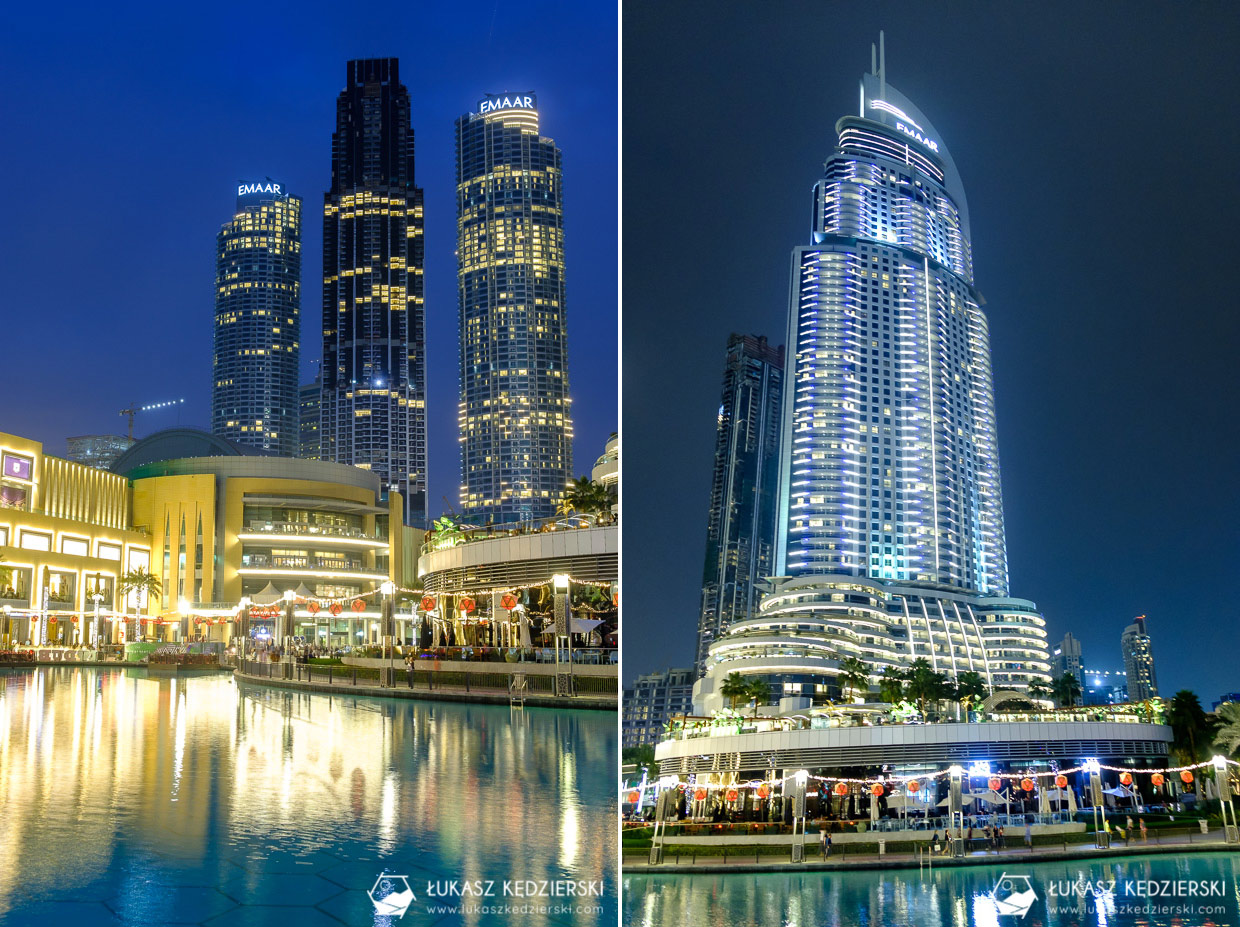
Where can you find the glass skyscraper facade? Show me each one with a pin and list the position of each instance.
(254, 400)
(740, 531)
(515, 419)
(373, 410)
(890, 542)
(1138, 651)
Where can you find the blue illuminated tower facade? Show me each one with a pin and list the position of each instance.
(890, 545)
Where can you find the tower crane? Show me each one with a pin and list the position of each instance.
(134, 409)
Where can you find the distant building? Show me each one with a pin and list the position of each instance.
(652, 701)
(1102, 687)
(1227, 697)
(310, 400)
(1138, 654)
(740, 529)
(1066, 658)
(606, 469)
(258, 320)
(98, 451)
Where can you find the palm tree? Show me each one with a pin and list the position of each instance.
(585, 497)
(1038, 690)
(924, 684)
(760, 692)
(970, 688)
(140, 581)
(891, 685)
(1228, 735)
(1066, 690)
(734, 688)
(854, 674)
(1190, 729)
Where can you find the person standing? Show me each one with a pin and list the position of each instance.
(1144, 832)
(1028, 834)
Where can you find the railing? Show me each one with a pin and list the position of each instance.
(399, 676)
(466, 534)
(323, 531)
(304, 563)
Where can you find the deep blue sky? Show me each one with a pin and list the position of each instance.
(128, 126)
(1097, 144)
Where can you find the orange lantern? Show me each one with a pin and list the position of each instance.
(1157, 779)
(468, 605)
(336, 608)
(1026, 784)
(1125, 778)
(764, 790)
(1186, 776)
(700, 795)
(1061, 782)
(634, 797)
(732, 794)
(358, 605)
(509, 600)
(913, 787)
(428, 603)
(312, 607)
(876, 790)
(995, 783)
(841, 789)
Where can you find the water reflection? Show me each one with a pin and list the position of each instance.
(948, 898)
(117, 789)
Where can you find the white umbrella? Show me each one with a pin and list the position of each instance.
(964, 800)
(991, 797)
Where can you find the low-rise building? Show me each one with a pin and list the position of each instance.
(652, 701)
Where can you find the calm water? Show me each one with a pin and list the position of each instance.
(129, 799)
(1068, 894)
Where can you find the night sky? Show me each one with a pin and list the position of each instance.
(128, 126)
(1097, 144)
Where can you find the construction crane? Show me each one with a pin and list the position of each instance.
(134, 409)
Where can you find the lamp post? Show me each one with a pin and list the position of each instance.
(1093, 779)
(96, 638)
(387, 612)
(183, 607)
(8, 625)
(563, 636)
(955, 810)
(243, 628)
(1231, 833)
(799, 780)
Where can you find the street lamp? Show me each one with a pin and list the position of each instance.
(955, 810)
(563, 635)
(183, 607)
(1231, 833)
(8, 625)
(97, 598)
(1093, 779)
(387, 614)
(243, 628)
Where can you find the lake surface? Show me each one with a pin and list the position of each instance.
(1145, 890)
(126, 799)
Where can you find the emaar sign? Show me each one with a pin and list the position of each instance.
(496, 103)
(249, 189)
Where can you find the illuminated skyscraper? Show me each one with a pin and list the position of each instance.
(515, 418)
(254, 400)
(740, 530)
(891, 543)
(374, 345)
(1138, 652)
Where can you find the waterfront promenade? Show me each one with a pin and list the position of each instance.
(851, 857)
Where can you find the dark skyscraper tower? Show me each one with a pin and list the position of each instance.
(515, 421)
(258, 321)
(740, 534)
(374, 344)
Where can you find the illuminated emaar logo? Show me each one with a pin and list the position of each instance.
(496, 103)
(246, 189)
(905, 123)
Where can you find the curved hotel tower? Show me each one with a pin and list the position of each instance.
(890, 541)
(515, 417)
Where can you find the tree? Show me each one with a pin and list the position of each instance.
(855, 675)
(1066, 690)
(1038, 690)
(734, 688)
(760, 692)
(141, 582)
(1227, 738)
(891, 685)
(585, 497)
(924, 684)
(1190, 729)
(970, 688)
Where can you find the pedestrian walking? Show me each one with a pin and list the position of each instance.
(1028, 835)
(1144, 832)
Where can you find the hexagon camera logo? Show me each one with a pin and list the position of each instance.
(391, 895)
(1013, 895)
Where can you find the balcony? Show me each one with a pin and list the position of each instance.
(284, 532)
